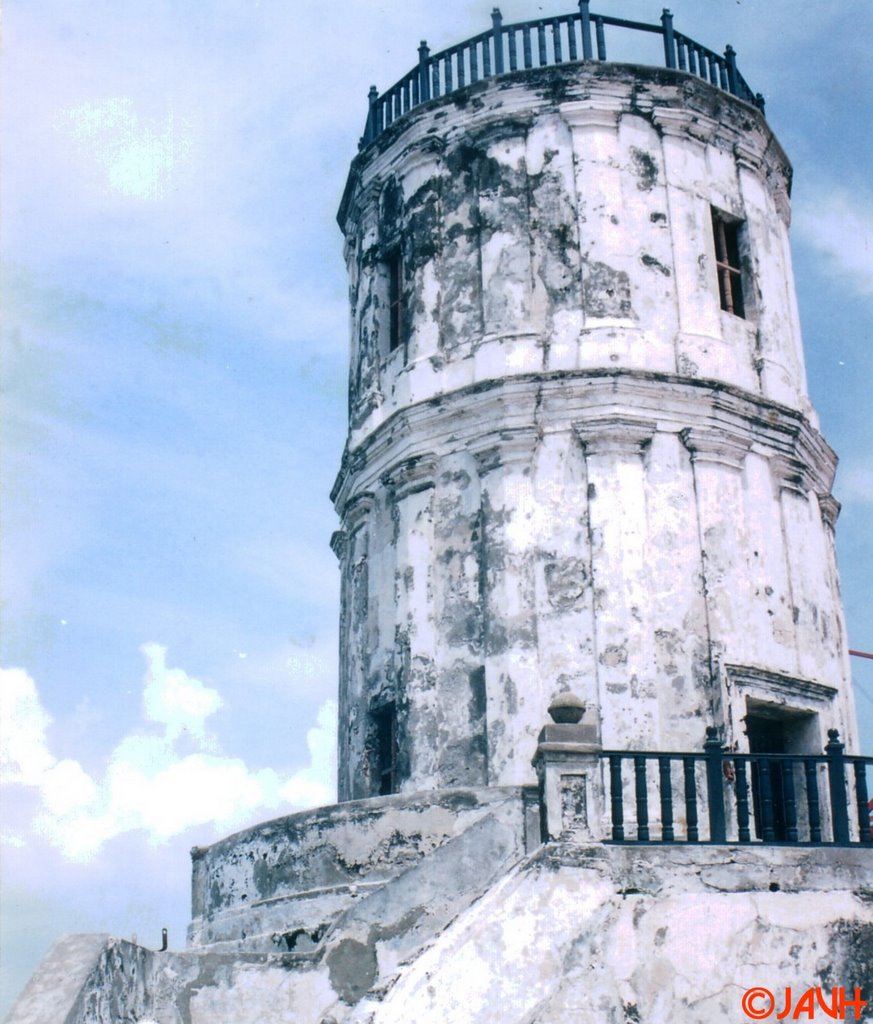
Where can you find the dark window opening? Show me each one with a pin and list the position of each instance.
(385, 737)
(775, 780)
(395, 300)
(728, 266)
(767, 736)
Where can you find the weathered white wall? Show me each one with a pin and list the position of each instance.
(580, 473)
(590, 934)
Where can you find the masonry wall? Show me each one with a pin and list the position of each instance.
(577, 471)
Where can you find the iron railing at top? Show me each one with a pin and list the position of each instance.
(724, 797)
(541, 43)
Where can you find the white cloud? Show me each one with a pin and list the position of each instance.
(24, 754)
(174, 698)
(841, 229)
(138, 155)
(149, 784)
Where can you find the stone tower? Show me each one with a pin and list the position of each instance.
(581, 452)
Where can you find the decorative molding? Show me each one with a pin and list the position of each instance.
(778, 687)
(339, 543)
(602, 112)
(830, 509)
(790, 472)
(483, 418)
(511, 448)
(409, 477)
(356, 512)
(716, 445)
(614, 435)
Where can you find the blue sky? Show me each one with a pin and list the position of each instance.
(175, 343)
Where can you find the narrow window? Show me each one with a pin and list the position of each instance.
(385, 754)
(727, 261)
(395, 299)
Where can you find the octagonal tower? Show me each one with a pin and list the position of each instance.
(581, 452)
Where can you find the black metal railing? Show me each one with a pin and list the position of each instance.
(724, 797)
(541, 43)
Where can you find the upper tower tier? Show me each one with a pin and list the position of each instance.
(578, 216)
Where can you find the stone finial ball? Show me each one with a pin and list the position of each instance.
(567, 709)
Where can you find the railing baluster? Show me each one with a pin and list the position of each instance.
(616, 800)
(713, 71)
(765, 788)
(571, 38)
(742, 789)
(837, 783)
(601, 39)
(434, 80)
(585, 15)
(722, 74)
(680, 52)
(497, 35)
(556, 41)
(861, 800)
(787, 770)
(810, 768)
(714, 785)
(474, 63)
(642, 799)
(666, 792)
(447, 72)
(525, 36)
(701, 61)
(486, 59)
(513, 52)
(690, 799)
(462, 78)
(541, 45)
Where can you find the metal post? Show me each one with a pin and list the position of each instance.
(669, 45)
(423, 72)
(642, 799)
(690, 799)
(497, 30)
(616, 806)
(811, 771)
(584, 13)
(666, 793)
(372, 129)
(714, 785)
(837, 784)
(861, 799)
(741, 785)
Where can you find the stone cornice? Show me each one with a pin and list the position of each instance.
(409, 477)
(608, 435)
(716, 445)
(356, 511)
(487, 415)
(339, 543)
(830, 509)
(602, 112)
(778, 686)
(510, 448)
